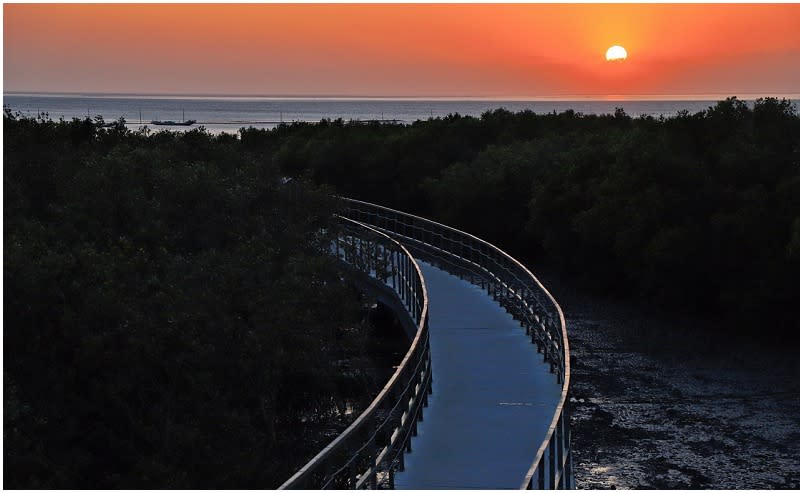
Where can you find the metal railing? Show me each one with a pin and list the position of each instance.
(368, 452)
(518, 291)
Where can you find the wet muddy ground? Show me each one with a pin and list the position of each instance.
(654, 404)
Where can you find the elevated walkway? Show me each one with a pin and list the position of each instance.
(498, 414)
(493, 396)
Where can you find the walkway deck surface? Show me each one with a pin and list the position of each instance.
(493, 397)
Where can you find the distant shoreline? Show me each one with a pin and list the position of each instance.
(230, 113)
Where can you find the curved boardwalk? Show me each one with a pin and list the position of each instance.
(493, 397)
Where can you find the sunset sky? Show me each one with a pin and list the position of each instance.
(492, 50)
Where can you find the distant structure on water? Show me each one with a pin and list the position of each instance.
(184, 122)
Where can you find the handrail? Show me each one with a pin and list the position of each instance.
(519, 291)
(367, 453)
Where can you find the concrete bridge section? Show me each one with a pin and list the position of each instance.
(493, 396)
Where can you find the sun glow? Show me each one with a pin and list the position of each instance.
(500, 50)
(616, 53)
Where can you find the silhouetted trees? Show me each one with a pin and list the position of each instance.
(172, 317)
(696, 212)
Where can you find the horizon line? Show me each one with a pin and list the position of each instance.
(349, 97)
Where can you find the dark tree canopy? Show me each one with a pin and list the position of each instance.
(172, 318)
(696, 212)
(158, 331)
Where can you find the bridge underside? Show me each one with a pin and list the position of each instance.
(493, 397)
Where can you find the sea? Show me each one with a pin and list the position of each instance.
(219, 114)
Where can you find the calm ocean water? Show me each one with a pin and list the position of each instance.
(229, 114)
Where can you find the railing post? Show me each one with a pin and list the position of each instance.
(373, 453)
(551, 464)
(541, 472)
(570, 483)
(405, 281)
(394, 269)
(560, 447)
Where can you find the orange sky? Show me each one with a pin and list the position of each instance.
(403, 49)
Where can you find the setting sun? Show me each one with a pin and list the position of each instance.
(616, 53)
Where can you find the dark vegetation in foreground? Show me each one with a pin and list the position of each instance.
(697, 213)
(172, 321)
(171, 317)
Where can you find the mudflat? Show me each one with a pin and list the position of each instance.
(658, 403)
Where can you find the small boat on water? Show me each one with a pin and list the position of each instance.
(184, 122)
